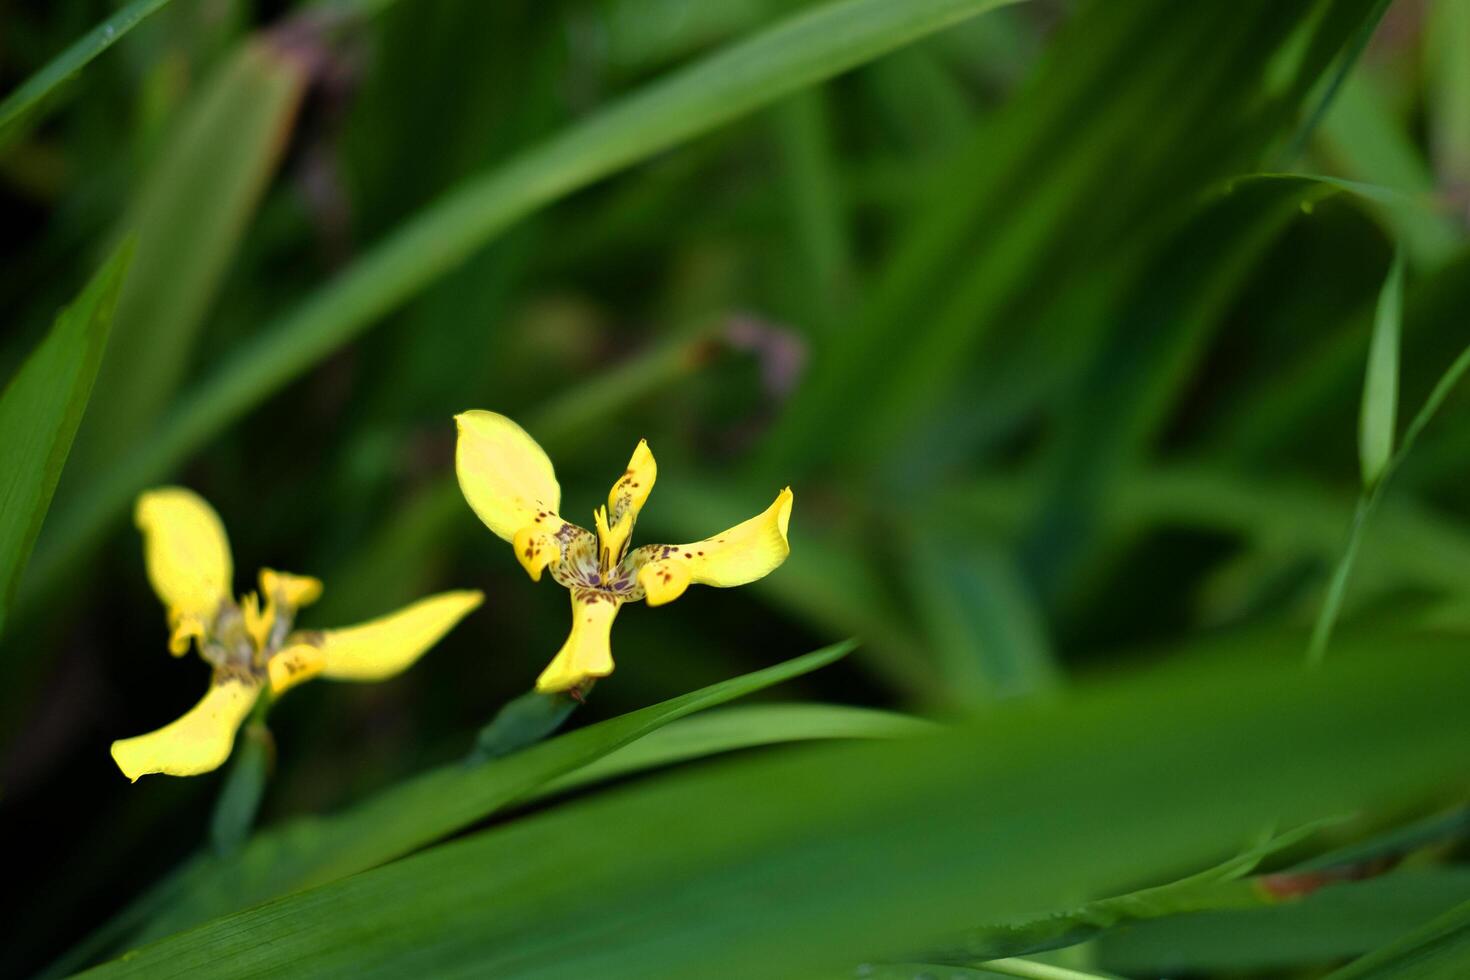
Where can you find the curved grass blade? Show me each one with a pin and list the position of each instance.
(800, 51)
(1381, 381)
(22, 107)
(1440, 949)
(1337, 921)
(731, 729)
(40, 410)
(1220, 887)
(189, 216)
(440, 802)
(771, 865)
(1368, 502)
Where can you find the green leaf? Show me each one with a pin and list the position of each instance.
(729, 729)
(1149, 102)
(440, 802)
(812, 858)
(1339, 920)
(1214, 888)
(979, 618)
(188, 216)
(40, 410)
(1381, 382)
(21, 109)
(800, 51)
(1440, 949)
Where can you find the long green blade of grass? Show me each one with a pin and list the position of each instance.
(434, 805)
(785, 865)
(189, 216)
(40, 410)
(730, 729)
(1379, 414)
(1440, 949)
(801, 51)
(1344, 919)
(22, 107)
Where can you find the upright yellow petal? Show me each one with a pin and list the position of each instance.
(286, 589)
(188, 559)
(628, 495)
(626, 498)
(385, 646)
(739, 555)
(198, 742)
(587, 654)
(504, 474)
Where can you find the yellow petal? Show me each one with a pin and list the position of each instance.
(664, 581)
(385, 646)
(198, 742)
(258, 622)
(586, 655)
(742, 554)
(504, 474)
(289, 667)
(535, 549)
(188, 559)
(628, 495)
(626, 498)
(286, 589)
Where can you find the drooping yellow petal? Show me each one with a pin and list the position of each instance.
(664, 580)
(587, 654)
(385, 646)
(289, 667)
(739, 555)
(535, 549)
(506, 477)
(188, 559)
(198, 742)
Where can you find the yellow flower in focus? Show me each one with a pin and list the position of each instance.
(510, 483)
(250, 644)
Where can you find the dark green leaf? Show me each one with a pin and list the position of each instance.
(40, 410)
(809, 859)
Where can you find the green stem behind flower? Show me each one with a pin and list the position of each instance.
(239, 798)
(529, 718)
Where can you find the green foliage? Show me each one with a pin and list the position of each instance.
(40, 410)
(1381, 383)
(1162, 763)
(21, 108)
(1067, 324)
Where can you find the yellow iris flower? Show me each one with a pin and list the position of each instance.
(510, 483)
(251, 645)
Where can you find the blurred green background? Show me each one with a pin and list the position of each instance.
(1062, 384)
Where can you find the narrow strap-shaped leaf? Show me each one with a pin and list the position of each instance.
(1379, 411)
(21, 107)
(39, 413)
(803, 50)
(797, 861)
(1440, 949)
(435, 804)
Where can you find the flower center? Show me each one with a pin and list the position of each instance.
(244, 637)
(581, 570)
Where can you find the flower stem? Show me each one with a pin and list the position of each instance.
(239, 798)
(529, 718)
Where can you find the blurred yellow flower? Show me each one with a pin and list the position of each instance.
(251, 646)
(510, 483)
